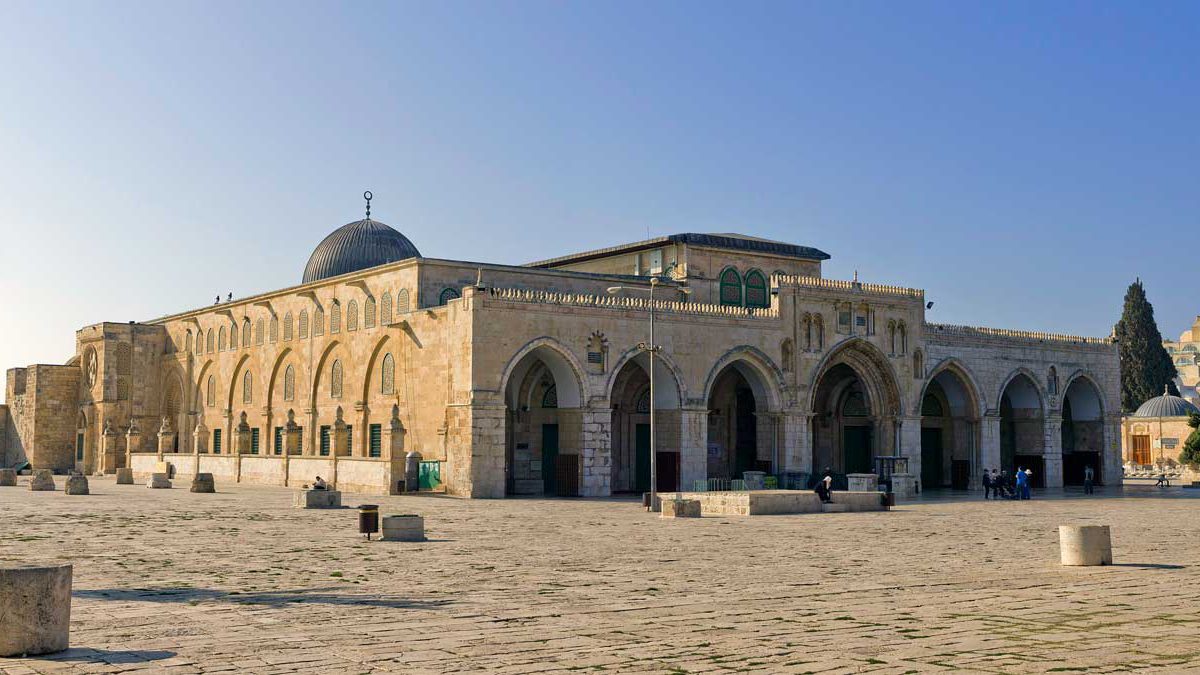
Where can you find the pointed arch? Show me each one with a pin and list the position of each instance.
(335, 317)
(767, 380)
(287, 327)
(246, 331)
(258, 331)
(402, 301)
(318, 328)
(234, 380)
(677, 392)
(369, 312)
(1034, 386)
(322, 361)
(302, 328)
(385, 308)
(1080, 409)
(730, 286)
(873, 369)
(757, 293)
(567, 371)
(276, 375)
(352, 315)
(221, 339)
(336, 379)
(954, 366)
(233, 335)
(368, 375)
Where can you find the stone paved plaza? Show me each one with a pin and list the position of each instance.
(169, 581)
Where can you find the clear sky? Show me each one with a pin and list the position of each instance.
(1021, 161)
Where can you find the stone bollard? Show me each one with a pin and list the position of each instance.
(125, 476)
(317, 499)
(8, 478)
(42, 481)
(203, 482)
(35, 609)
(680, 508)
(158, 481)
(77, 484)
(403, 528)
(1085, 544)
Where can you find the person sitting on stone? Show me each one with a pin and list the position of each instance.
(320, 484)
(824, 489)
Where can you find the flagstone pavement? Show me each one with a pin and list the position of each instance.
(240, 582)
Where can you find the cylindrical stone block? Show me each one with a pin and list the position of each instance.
(8, 478)
(403, 528)
(203, 482)
(1085, 544)
(77, 485)
(35, 609)
(125, 476)
(42, 481)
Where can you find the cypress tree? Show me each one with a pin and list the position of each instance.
(1146, 367)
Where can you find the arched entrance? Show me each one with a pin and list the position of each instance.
(740, 433)
(85, 453)
(542, 396)
(1022, 428)
(949, 432)
(630, 397)
(1082, 431)
(855, 404)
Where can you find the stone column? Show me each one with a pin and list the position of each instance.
(166, 438)
(108, 443)
(595, 452)
(340, 437)
(475, 452)
(133, 443)
(989, 440)
(291, 443)
(314, 434)
(363, 442)
(796, 438)
(1052, 452)
(200, 438)
(693, 446)
(1110, 460)
(393, 450)
(241, 436)
(910, 444)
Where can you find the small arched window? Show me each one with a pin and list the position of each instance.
(550, 397)
(932, 407)
(287, 327)
(806, 328)
(892, 335)
(902, 337)
(447, 295)
(209, 347)
(385, 308)
(289, 384)
(402, 304)
(274, 330)
(221, 339)
(369, 312)
(756, 290)
(187, 344)
(1052, 380)
(818, 332)
(211, 399)
(258, 332)
(855, 405)
(318, 322)
(918, 365)
(246, 332)
(247, 388)
(352, 315)
(199, 341)
(303, 324)
(387, 376)
(335, 318)
(731, 287)
(233, 336)
(335, 380)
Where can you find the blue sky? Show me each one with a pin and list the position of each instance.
(1022, 161)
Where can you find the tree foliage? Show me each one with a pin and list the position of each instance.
(1146, 367)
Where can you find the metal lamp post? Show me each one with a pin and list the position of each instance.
(651, 348)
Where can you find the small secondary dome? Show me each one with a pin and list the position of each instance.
(1166, 406)
(357, 246)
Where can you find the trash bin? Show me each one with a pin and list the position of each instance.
(368, 519)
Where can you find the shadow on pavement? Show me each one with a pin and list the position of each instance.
(267, 598)
(108, 656)
(1150, 566)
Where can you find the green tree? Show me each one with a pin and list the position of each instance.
(1191, 447)
(1146, 367)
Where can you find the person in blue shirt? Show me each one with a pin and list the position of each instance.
(1022, 483)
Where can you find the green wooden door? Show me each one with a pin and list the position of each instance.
(549, 459)
(641, 464)
(857, 449)
(932, 458)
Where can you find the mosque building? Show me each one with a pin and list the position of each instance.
(529, 379)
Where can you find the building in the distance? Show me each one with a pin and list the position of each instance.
(1185, 353)
(529, 380)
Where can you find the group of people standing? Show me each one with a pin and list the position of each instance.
(1000, 485)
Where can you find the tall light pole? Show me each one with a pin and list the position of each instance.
(651, 348)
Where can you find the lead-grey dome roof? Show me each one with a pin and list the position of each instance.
(357, 246)
(1166, 406)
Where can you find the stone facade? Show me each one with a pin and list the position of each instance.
(530, 380)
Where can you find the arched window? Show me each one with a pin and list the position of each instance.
(550, 397)
(1052, 380)
(303, 324)
(187, 344)
(289, 384)
(731, 287)
(221, 339)
(352, 315)
(209, 347)
(932, 407)
(274, 330)
(247, 388)
(199, 340)
(335, 380)
(855, 405)
(369, 312)
(318, 322)
(756, 290)
(211, 400)
(387, 376)
(287, 327)
(892, 335)
(818, 332)
(258, 332)
(902, 337)
(246, 332)
(385, 308)
(233, 335)
(124, 359)
(806, 328)
(447, 295)
(918, 365)
(402, 300)
(335, 318)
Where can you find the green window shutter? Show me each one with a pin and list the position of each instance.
(254, 441)
(325, 440)
(216, 441)
(79, 447)
(376, 449)
(756, 290)
(349, 439)
(279, 440)
(731, 287)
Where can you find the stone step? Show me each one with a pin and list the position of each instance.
(835, 508)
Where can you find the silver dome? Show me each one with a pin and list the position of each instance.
(1166, 406)
(357, 246)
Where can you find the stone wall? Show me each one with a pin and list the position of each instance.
(43, 408)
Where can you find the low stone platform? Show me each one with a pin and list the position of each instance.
(77, 485)
(42, 481)
(403, 528)
(124, 476)
(317, 499)
(158, 481)
(204, 483)
(680, 508)
(35, 609)
(774, 502)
